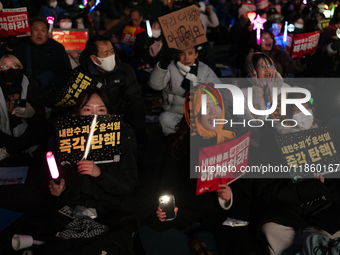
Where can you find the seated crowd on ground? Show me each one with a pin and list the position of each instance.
(158, 93)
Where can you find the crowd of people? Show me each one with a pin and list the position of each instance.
(280, 214)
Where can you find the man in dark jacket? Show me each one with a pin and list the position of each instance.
(43, 59)
(152, 9)
(119, 82)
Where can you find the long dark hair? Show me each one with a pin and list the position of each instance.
(85, 96)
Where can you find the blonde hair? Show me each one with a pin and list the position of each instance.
(14, 59)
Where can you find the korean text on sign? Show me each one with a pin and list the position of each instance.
(14, 22)
(183, 29)
(304, 44)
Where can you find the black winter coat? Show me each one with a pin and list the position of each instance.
(49, 62)
(107, 191)
(123, 91)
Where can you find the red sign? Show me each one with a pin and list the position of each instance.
(14, 22)
(130, 33)
(251, 7)
(304, 44)
(278, 8)
(222, 163)
(262, 4)
(71, 40)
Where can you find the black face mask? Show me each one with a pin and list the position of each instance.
(11, 75)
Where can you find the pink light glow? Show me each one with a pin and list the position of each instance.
(52, 165)
(258, 25)
(50, 20)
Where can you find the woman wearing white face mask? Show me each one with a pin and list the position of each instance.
(299, 22)
(64, 20)
(149, 49)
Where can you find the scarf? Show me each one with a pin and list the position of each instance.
(263, 88)
(4, 118)
(192, 112)
(155, 48)
(189, 73)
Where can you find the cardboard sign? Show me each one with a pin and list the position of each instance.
(251, 6)
(304, 44)
(71, 39)
(227, 157)
(308, 152)
(14, 22)
(70, 93)
(183, 29)
(262, 4)
(73, 138)
(129, 34)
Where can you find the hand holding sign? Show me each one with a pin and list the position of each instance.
(88, 167)
(224, 192)
(169, 55)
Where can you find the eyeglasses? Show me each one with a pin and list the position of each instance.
(266, 66)
(266, 38)
(6, 67)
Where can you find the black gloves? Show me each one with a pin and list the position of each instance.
(150, 41)
(169, 55)
(308, 57)
(12, 41)
(335, 45)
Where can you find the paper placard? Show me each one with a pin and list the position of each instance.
(183, 29)
(229, 156)
(305, 43)
(71, 39)
(73, 137)
(14, 22)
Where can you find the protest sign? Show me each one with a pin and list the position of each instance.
(322, 24)
(74, 138)
(221, 164)
(308, 152)
(14, 22)
(72, 39)
(183, 29)
(305, 43)
(129, 34)
(262, 4)
(78, 82)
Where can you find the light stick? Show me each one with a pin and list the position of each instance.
(96, 4)
(251, 16)
(148, 28)
(258, 25)
(52, 165)
(285, 35)
(50, 20)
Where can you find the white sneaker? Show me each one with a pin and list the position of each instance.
(3, 153)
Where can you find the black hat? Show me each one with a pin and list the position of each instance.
(272, 11)
(64, 15)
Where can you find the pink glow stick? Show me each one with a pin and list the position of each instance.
(52, 165)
